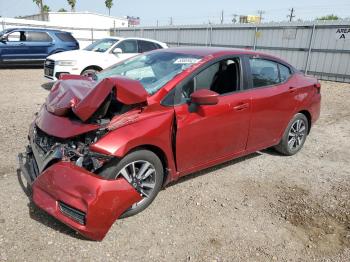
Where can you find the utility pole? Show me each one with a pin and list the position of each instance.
(291, 15)
(222, 17)
(261, 12)
(171, 21)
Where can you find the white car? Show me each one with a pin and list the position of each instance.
(97, 56)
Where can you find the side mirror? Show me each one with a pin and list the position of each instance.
(204, 97)
(3, 38)
(117, 51)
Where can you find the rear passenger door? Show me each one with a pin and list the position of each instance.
(146, 46)
(274, 101)
(39, 44)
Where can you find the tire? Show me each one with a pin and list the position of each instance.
(298, 129)
(139, 158)
(90, 71)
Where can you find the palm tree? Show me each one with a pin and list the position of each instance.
(72, 4)
(109, 4)
(39, 3)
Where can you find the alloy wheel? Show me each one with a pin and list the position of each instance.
(141, 175)
(297, 134)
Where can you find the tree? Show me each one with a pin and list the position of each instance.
(46, 9)
(72, 4)
(39, 3)
(328, 17)
(109, 4)
(62, 10)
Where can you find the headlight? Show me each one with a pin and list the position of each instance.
(66, 63)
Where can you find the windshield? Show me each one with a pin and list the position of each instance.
(153, 70)
(101, 45)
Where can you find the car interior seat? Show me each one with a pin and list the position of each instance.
(226, 79)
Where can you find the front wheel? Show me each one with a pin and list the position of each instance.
(144, 171)
(294, 136)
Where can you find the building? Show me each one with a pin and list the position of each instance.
(81, 19)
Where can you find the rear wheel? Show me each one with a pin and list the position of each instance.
(144, 171)
(294, 136)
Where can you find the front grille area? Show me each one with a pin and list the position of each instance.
(72, 213)
(49, 67)
(43, 140)
(49, 63)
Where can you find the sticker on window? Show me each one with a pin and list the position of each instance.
(183, 61)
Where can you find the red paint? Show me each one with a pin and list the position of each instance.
(222, 128)
(205, 97)
(103, 201)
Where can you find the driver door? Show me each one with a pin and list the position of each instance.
(15, 49)
(212, 133)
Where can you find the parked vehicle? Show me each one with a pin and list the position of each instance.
(97, 56)
(31, 46)
(103, 148)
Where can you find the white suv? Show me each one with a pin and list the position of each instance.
(97, 56)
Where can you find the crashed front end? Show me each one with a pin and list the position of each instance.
(61, 168)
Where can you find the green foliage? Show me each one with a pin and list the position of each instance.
(46, 9)
(109, 4)
(62, 10)
(37, 2)
(328, 17)
(72, 4)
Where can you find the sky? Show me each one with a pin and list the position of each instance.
(189, 12)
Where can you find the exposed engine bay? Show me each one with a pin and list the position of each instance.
(82, 112)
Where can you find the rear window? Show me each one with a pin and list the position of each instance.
(65, 37)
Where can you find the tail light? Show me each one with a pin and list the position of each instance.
(318, 87)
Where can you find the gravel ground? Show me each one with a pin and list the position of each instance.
(262, 207)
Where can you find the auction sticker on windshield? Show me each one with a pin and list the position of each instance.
(186, 60)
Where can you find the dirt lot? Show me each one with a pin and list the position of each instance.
(262, 207)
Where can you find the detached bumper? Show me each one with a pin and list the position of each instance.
(80, 199)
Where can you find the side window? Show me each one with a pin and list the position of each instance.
(264, 72)
(16, 36)
(32, 36)
(128, 46)
(284, 72)
(145, 46)
(222, 77)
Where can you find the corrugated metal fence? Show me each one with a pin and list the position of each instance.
(319, 48)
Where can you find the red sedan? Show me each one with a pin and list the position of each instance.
(103, 146)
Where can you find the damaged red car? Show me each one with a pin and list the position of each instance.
(102, 147)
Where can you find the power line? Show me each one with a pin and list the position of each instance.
(291, 15)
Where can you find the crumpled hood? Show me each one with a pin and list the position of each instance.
(83, 96)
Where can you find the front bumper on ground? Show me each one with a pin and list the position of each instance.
(78, 198)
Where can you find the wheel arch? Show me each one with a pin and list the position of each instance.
(308, 116)
(159, 153)
(95, 67)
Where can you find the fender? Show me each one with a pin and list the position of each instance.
(151, 129)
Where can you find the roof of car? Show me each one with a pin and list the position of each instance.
(218, 51)
(35, 29)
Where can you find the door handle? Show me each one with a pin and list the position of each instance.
(241, 107)
(292, 89)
